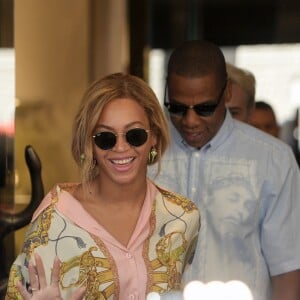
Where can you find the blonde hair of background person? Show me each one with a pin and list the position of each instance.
(116, 233)
(242, 100)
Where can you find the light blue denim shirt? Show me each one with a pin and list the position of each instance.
(247, 187)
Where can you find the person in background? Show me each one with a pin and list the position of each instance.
(238, 176)
(241, 101)
(116, 234)
(290, 133)
(263, 117)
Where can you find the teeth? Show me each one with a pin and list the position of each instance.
(192, 134)
(122, 161)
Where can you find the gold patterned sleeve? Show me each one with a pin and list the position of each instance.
(18, 273)
(19, 270)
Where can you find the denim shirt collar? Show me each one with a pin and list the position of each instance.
(222, 134)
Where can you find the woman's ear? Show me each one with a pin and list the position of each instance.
(153, 140)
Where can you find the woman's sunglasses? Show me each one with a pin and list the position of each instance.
(203, 110)
(106, 140)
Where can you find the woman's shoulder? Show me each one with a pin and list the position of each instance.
(70, 187)
(177, 199)
(173, 206)
(54, 195)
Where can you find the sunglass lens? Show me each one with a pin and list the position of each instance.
(136, 137)
(177, 109)
(206, 110)
(105, 140)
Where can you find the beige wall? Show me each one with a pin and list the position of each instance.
(61, 46)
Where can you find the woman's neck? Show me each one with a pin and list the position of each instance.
(119, 194)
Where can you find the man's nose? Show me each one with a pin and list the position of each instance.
(190, 118)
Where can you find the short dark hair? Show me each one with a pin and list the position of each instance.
(198, 58)
(263, 105)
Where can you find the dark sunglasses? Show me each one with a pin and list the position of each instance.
(203, 110)
(106, 140)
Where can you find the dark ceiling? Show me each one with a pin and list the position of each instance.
(226, 22)
(167, 23)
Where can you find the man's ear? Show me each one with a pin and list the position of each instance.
(228, 91)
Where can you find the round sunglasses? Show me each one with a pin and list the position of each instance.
(135, 137)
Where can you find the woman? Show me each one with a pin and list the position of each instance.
(116, 233)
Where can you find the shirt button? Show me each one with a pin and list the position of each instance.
(197, 154)
(193, 189)
(131, 297)
(128, 255)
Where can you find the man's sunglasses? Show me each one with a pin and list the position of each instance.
(203, 110)
(106, 140)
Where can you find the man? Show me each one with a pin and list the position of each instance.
(210, 150)
(263, 117)
(241, 102)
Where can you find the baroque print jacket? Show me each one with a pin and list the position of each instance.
(86, 259)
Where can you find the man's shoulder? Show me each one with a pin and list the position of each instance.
(250, 135)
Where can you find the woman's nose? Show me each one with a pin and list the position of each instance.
(121, 143)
